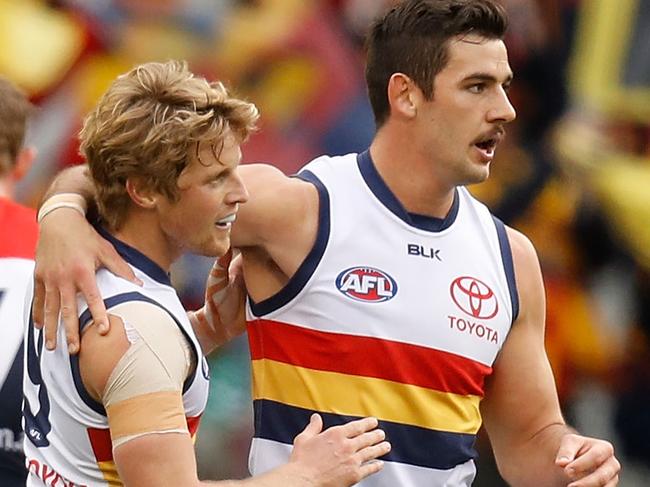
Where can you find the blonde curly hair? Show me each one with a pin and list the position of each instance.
(147, 123)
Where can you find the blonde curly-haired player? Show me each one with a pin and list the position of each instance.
(163, 149)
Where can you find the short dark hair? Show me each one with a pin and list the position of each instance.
(413, 38)
(15, 109)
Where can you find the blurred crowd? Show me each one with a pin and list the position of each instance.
(573, 173)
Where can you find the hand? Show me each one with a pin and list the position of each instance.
(223, 316)
(68, 253)
(341, 455)
(588, 462)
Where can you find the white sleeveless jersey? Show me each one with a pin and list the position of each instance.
(392, 315)
(67, 439)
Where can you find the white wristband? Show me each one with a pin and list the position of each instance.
(62, 200)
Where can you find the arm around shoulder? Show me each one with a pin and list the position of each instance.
(76, 180)
(278, 209)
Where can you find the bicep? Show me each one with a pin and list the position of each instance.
(144, 361)
(276, 205)
(157, 460)
(143, 393)
(520, 398)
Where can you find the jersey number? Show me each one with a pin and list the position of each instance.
(37, 426)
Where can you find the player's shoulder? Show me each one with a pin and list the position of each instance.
(270, 188)
(528, 274)
(112, 284)
(328, 166)
(267, 173)
(263, 173)
(520, 244)
(119, 292)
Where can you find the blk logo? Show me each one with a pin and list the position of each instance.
(422, 251)
(366, 284)
(474, 297)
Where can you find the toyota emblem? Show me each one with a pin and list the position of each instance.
(474, 297)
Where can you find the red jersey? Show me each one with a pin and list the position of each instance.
(18, 230)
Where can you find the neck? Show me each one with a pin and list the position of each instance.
(7, 188)
(411, 178)
(142, 231)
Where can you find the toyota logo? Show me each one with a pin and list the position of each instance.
(474, 297)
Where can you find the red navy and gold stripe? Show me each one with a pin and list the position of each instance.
(415, 391)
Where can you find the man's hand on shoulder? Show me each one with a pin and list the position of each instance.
(68, 253)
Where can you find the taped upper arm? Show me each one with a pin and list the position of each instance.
(142, 393)
(160, 357)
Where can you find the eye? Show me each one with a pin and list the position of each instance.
(217, 180)
(476, 88)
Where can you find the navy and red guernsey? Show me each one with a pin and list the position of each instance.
(18, 235)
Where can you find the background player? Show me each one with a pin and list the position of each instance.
(18, 234)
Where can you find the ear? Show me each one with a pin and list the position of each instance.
(24, 162)
(141, 194)
(403, 96)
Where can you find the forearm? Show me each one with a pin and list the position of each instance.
(287, 475)
(75, 179)
(205, 334)
(532, 462)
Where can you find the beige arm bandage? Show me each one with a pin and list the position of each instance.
(63, 200)
(143, 394)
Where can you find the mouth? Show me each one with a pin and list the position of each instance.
(226, 222)
(488, 143)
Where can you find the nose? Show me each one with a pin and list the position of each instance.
(238, 192)
(503, 111)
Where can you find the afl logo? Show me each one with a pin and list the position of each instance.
(366, 284)
(474, 297)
